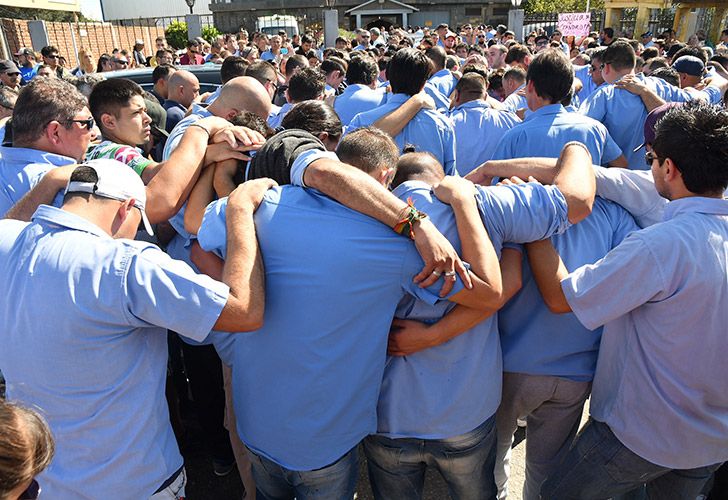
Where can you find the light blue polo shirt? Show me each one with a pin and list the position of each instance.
(21, 169)
(84, 341)
(442, 102)
(662, 296)
(515, 101)
(452, 388)
(624, 114)
(444, 81)
(428, 130)
(545, 132)
(179, 246)
(543, 343)
(355, 99)
(479, 129)
(306, 384)
(274, 120)
(588, 85)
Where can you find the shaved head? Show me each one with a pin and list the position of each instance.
(418, 166)
(183, 87)
(243, 93)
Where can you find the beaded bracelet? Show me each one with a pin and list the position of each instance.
(411, 215)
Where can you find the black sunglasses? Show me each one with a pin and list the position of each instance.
(87, 123)
(650, 157)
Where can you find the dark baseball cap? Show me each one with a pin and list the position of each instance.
(690, 65)
(652, 118)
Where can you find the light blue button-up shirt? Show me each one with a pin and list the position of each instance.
(543, 343)
(548, 129)
(427, 131)
(662, 296)
(442, 102)
(588, 86)
(444, 81)
(355, 99)
(516, 101)
(306, 384)
(452, 388)
(84, 341)
(479, 129)
(21, 169)
(624, 114)
(274, 120)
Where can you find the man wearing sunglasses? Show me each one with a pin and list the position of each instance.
(51, 58)
(9, 75)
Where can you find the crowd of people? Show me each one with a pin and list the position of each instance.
(407, 245)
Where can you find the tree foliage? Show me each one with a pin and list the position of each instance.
(551, 6)
(210, 33)
(41, 14)
(176, 34)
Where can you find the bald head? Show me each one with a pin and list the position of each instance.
(243, 93)
(418, 167)
(183, 87)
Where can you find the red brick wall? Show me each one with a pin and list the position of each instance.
(98, 37)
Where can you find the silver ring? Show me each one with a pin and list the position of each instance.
(437, 273)
(450, 273)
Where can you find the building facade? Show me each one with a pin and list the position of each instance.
(230, 15)
(133, 9)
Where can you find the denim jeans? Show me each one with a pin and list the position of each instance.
(333, 482)
(600, 466)
(397, 466)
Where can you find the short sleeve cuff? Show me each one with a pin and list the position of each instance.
(304, 160)
(568, 285)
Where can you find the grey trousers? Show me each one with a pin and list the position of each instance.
(553, 407)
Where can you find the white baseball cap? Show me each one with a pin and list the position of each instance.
(115, 181)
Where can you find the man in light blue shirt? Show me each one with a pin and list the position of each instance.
(305, 84)
(52, 127)
(478, 127)
(428, 412)
(360, 94)
(428, 130)
(84, 293)
(590, 75)
(544, 132)
(442, 78)
(326, 356)
(659, 408)
(623, 113)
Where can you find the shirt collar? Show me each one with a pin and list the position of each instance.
(442, 72)
(478, 103)
(29, 156)
(53, 216)
(199, 110)
(397, 98)
(550, 109)
(697, 204)
(410, 186)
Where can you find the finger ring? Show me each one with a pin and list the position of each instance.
(450, 273)
(437, 273)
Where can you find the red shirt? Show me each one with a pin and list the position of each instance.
(186, 61)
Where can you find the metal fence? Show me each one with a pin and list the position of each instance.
(162, 22)
(549, 22)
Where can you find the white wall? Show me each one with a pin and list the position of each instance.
(132, 9)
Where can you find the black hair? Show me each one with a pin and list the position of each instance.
(261, 71)
(408, 71)
(162, 72)
(305, 84)
(314, 117)
(362, 70)
(110, 95)
(670, 75)
(552, 75)
(232, 67)
(695, 137)
(437, 55)
(620, 55)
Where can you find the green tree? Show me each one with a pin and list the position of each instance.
(176, 35)
(550, 6)
(209, 33)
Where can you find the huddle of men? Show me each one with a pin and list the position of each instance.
(384, 291)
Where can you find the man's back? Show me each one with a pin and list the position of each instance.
(80, 343)
(428, 131)
(479, 129)
(356, 99)
(306, 384)
(546, 131)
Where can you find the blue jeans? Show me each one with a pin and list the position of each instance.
(598, 466)
(335, 481)
(397, 466)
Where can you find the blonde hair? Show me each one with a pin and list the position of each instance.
(86, 65)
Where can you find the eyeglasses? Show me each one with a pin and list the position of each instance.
(52, 56)
(87, 123)
(31, 492)
(274, 85)
(650, 157)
